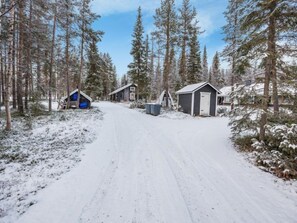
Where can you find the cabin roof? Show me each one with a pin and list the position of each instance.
(195, 87)
(122, 88)
(81, 92)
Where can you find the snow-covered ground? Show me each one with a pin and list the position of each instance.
(143, 168)
(32, 159)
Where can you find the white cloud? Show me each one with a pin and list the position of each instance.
(206, 23)
(209, 11)
(108, 7)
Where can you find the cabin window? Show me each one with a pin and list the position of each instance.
(132, 96)
(132, 89)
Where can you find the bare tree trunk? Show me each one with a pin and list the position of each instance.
(28, 73)
(232, 88)
(81, 54)
(269, 73)
(38, 69)
(1, 54)
(52, 59)
(167, 62)
(20, 60)
(14, 96)
(10, 65)
(273, 55)
(67, 39)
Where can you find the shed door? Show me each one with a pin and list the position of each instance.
(205, 103)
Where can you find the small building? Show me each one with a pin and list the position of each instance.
(198, 99)
(226, 93)
(125, 93)
(84, 100)
(162, 99)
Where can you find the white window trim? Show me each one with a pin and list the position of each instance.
(216, 105)
(192, 107)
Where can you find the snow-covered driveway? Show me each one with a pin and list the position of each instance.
(151, 169)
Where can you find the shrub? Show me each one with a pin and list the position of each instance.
(137, 104)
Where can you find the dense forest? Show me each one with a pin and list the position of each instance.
(48, 49)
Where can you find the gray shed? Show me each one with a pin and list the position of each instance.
(198, 99)
(125, 93)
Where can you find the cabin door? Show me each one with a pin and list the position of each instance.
(205, 103)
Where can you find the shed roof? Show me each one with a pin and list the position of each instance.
(195, 87)
(122, 88)
(81, 92)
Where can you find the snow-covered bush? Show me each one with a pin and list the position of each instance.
(278, 152)
(137, 104)
(222, 111)
(283, 138)
(36, 108)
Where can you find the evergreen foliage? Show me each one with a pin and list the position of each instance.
(194, 68)
(205, 75)
(95, 69)
(138, 67)
(216, 79)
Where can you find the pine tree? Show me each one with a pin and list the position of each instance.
(166, 30)
(8, 76)
(137, 69)
(233, 37)
(87, 18)
(205, 76)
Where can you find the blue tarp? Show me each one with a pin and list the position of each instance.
(83, 104)
(74, 97)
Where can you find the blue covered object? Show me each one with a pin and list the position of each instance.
(74, 97)
(83, 104)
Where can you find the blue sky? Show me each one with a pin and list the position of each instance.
(118, 18)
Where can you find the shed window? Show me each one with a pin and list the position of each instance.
(132, 96)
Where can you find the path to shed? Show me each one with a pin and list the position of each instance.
(151, 169)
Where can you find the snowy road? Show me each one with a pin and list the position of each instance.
(151, 169)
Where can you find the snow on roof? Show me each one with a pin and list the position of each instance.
(81, 92)
(227, 90)
(121, 88)
(258, 89)
(194, 87)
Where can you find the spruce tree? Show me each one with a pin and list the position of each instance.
(186, 24)
(194, 69)
(205, 76)
(270, 32)
(94, 80)
(86, 18)
(137, 68)
(217, 79)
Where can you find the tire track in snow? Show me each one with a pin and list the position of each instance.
(204, 161)
(92, 209)
(155, 140)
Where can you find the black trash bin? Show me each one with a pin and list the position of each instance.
(148, 108)
(155, 109)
